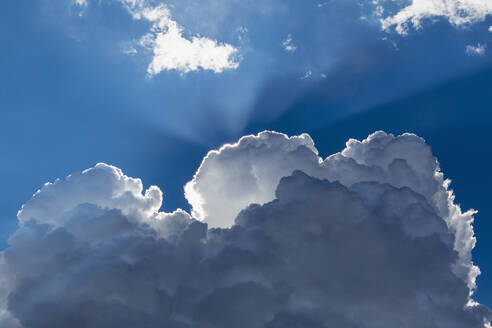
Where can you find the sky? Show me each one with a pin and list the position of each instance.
(150, 87)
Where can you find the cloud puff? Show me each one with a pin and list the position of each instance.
(171, 50)
(246, 172)
(81, 2)
(369, 237)
(478, 50)
(457, 12)
(288, 45)
(104, 186)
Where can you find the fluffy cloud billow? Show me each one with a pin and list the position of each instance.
(170, 49)
(368, 237)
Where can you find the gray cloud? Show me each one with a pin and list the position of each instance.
(369, 237)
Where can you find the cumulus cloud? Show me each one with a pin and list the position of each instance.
(457, 12)
(260, 161)
(478, 50)
(171, 50)
(369, 237)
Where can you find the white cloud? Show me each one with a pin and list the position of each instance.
(81, 3)
(307, 75)
(130, 51)
(246, 172)
(241, 30)
(171, 51)
(288, 45)
(478, 50)
(381, 241)
(103, 185)
(457, 12)
(490, 29)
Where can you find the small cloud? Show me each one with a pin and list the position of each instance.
(457, 12)
(323, 76)
(288, 45)
(392, 42)
(169, 47)
(241, 30)
(80, 6)
(478, 50)
(308, 75)
(490, 29)
(378, 10)
(131, 51)
(172, 51)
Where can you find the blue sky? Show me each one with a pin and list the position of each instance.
(76, 90)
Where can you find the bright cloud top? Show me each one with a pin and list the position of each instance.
(249, 171)
(457, 12)
(172, 51)
(369, 237)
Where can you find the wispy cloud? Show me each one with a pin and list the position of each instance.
(307, 75)
(457, 12)
(288, 45)
(81, 2)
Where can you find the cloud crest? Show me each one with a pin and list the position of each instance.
(249, 171)
(369, 237)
